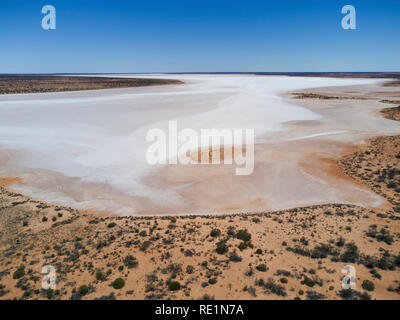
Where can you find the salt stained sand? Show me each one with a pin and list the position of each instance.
(88, 149)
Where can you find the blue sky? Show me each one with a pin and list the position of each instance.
(198, 35)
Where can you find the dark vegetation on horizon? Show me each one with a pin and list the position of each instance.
(386, 75)
(10, 84)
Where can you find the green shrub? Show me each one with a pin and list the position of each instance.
(243, 235)
(100, 275)
(234, 257)
(259, 251)
(212, 280)
(262, 267)
(189, 269)
(368, 285)
(111, 225)
(83, 289)
(215, 233)
(19, 273)
(308, 282)
(50, 293)
(272, 287)
(243, 245)
(284, 280)
(222, 248)
(130, 261)
(118, 283)
(231, 231)
(174, 285)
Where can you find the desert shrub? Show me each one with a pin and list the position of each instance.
(222, 248)
(394, 288)
(188, 253)
(130, 261)
(189, 269)
(351, 253)
(272, 287)
(313, 295)
(308, 282)
(19, 273)
(304, 241)
(44, 219)
(49, 293)
(385, 262)
(207, 297)
(212, 280)
(174, 285)
(284, 280)
(83, 289)
(234, 257)
(259, 251)
(299, 250)
(118, 283)
(346, 294)
(243, 235)
(25, 223)
(243, 245)
(320, 251)
(383, 235)
(365, 296)
(111, 296)
(174, 268)
(368, 285)
(262, 267)
(340, 242)
(231, 231)
(145, 245)
(143, 233)
(215, 233)
(100, 275)
(375, 274)
(349, 294)
(281, 272)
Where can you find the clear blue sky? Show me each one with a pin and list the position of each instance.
(198, 35)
